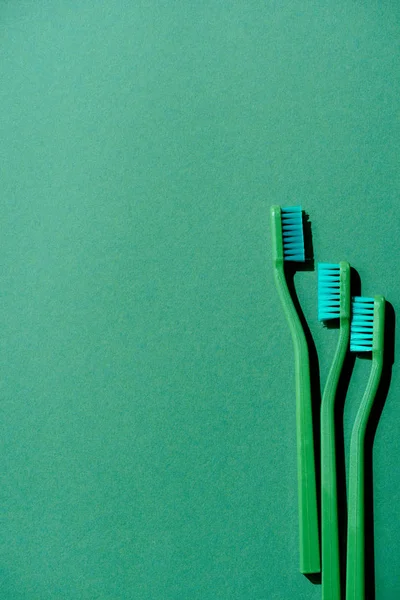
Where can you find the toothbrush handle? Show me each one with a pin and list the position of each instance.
(331, 589)
(307, 489)
(355, 581)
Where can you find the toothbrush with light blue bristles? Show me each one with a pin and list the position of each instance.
(334, 302)
(367, 336)
(288, 246)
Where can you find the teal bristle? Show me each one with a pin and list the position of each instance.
(362, 324)
(328, 291)
(292, 234)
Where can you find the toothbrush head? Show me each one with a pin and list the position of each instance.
(367, 324)
(292, 234)
(287, 234)
(333, 291)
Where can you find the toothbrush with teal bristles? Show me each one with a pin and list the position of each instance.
(367, 335)
(333, 303)
(288, 246)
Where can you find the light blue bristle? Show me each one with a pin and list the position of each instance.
(362, 324)
(292, 234)
(328, 291)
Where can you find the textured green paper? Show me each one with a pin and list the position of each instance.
(147, 422)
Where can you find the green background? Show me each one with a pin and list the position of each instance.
(147, 426)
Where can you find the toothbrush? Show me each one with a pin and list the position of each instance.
(333, 303)
(288, 245)
(367, 334)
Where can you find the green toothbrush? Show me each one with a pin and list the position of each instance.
(288, 245)
(367, 334)
(333, 303)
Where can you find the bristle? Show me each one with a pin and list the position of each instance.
(292, 234)
(328, 291)
(362, 324)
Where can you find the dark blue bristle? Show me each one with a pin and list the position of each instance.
(292, 234)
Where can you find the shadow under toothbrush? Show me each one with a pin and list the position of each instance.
(290, 270)
(309, 264)
(344, 382)
(370, 435)
(389, 357)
